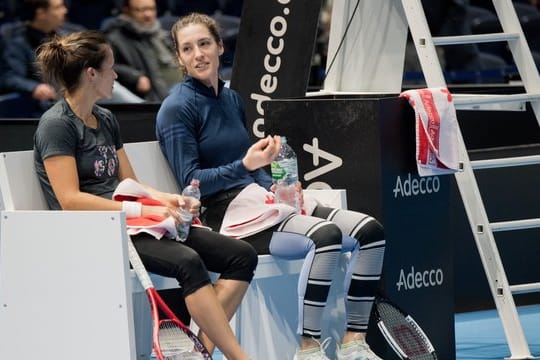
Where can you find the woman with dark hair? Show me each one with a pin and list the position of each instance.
(80, 160)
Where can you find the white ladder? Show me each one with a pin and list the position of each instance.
(481, 227)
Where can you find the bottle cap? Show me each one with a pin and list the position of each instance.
(195, 182)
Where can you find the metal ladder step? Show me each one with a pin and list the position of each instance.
(474, 39)
(525, 288)
(506, 162)
(473, 99)
(515, 225)
(506, 102)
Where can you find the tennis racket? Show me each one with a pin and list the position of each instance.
(172, 339)
(402, 333)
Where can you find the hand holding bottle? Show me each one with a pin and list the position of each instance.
(299, 190)
(191, 204)
(191, 196)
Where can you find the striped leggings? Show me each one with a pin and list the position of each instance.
(320, 238)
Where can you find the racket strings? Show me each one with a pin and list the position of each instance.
(185, 356)
(405, 333)
(174, 343)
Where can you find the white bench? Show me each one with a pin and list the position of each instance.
(265, 323)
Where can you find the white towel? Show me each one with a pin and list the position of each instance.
(436, 131)
(250, 212)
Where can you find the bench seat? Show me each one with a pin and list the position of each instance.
(267, 313)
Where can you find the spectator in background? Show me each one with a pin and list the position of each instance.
(145, 61)
(42, 19)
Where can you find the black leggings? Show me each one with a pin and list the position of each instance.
(203, 251)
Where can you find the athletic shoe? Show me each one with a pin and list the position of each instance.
(313, 354)
(356, 350)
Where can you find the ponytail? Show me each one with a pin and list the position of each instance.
(62, 60)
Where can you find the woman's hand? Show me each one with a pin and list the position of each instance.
(172, 202)
(300, 194)
(298, 189)
(192, 205)
(185, 202)
(262, 153)
(162, 211)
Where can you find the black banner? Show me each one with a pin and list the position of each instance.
(273, 53)
(367, 146)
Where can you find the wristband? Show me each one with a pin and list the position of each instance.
(132, 209)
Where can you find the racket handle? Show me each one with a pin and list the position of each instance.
(138, 266)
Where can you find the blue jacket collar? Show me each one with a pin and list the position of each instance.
(202, 88)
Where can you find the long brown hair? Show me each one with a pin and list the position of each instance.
(62, 60)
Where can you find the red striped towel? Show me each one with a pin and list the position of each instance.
(157, 226)
(436, 131)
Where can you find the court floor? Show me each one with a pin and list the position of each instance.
(480, 336)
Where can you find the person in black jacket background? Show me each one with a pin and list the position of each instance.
(40, 21)
(145, 61)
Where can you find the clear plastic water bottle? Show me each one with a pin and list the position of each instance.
(193, 191)
(285, 175)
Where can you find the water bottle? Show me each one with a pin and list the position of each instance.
(193, 191)
(285, 175)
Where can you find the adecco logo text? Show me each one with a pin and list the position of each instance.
(412, 186)
(268, 83)
(419, 279)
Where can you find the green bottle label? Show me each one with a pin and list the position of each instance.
(278, 172)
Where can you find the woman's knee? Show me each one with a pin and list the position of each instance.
(189, 266)
(248, 257)
(328, 235)
(371, 232)
(242, 266)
